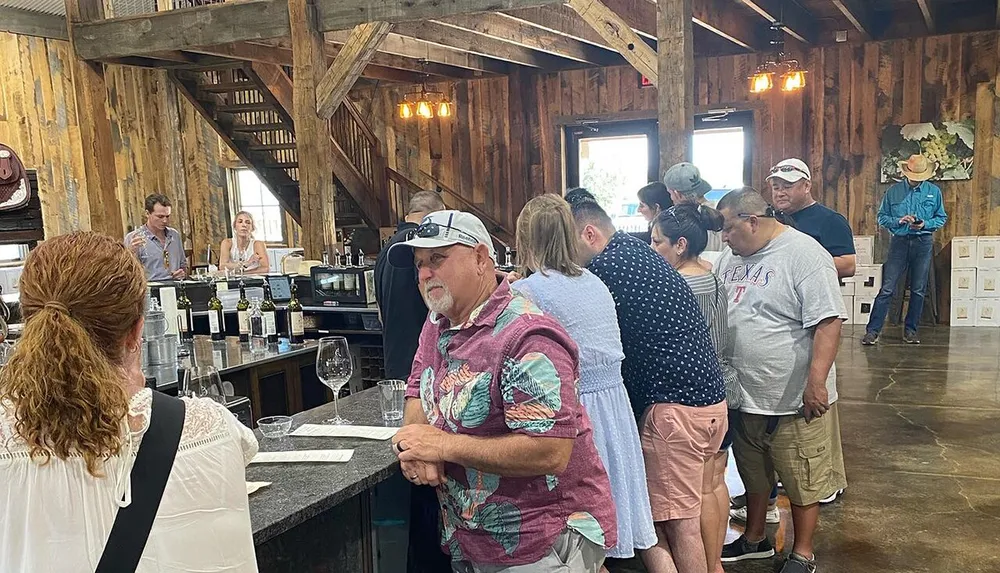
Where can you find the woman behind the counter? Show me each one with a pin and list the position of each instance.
(75, 412)
(242, 251)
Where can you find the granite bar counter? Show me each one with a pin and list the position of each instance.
(324, 517)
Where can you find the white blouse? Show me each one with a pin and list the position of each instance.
(57, 517)
(238, 256)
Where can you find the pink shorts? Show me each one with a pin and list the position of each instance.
(677, 442)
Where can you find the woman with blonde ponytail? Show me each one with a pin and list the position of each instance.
(73, 412)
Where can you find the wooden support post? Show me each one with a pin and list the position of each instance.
(95, 128)
(312, 132)
(348, 65)
(617, 33)
(675, 99)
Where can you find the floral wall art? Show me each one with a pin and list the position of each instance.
(948, 144)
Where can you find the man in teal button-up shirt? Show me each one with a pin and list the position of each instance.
(911, 211)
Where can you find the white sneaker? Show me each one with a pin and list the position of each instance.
(833, 497)
(740, 514)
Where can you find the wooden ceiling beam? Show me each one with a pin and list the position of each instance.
(28, 23)
(256, 20)
(388, 67)
(466, 41)
(859, 14)
(527, 35)
(423, 51)
(619, 34)
(344, 14)
(722, 19)
(928, 12)
(559, 20)
(716, 16)
(348, 65)
(795, 21)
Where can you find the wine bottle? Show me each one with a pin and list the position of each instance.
(216, 319)
(243, 313)
(185, 325)
(267, 309)
(296, 328)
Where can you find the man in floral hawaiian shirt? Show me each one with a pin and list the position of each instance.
(493, 417)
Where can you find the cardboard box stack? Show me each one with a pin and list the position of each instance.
(975, 281)
(866, 283)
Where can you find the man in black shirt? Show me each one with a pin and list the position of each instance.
(791, 193)
(402, 309)
(403, 314)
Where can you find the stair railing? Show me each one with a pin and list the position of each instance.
(366, 155)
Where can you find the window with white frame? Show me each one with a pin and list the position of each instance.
(13, 253)
(248, 193)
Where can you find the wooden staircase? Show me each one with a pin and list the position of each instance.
(249, 106)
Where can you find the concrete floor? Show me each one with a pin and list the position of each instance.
(921, 432)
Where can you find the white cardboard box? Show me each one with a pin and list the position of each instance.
(963, 312)
(847, 286)
(988, 253)
(987, 283)
(867, 281)
(849, 308)
(863, 309)
(988, 312)
(964, 252)
(963, 283)
(864, 249)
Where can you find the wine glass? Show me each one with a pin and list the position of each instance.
(334, 367)
(201, 381)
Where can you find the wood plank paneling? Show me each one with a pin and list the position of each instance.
(854, 91)
(39, 120)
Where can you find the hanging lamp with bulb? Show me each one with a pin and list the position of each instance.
(425, 104)
(790, 74)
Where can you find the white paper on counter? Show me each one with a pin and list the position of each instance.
(322, 456)
(222, 286)
(168, 300)
(324, 431)
(253, 486)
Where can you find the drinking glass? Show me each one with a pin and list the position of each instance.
(203, 382)
(392, 395)
(334, 367)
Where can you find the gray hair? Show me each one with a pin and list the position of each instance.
(425, 202)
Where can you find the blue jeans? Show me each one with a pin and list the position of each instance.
(909, 251)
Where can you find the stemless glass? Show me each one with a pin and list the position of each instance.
(203, 382)
(334, 367)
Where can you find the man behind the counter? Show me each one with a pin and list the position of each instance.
(158, 247)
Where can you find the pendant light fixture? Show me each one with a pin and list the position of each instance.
(791, 75)
(425, 104)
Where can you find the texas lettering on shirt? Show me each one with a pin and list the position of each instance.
(742, 276)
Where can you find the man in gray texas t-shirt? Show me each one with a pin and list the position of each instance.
(785, 312)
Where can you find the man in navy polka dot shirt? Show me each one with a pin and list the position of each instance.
(672, 375)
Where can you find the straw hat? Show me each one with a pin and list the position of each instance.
(917, 168)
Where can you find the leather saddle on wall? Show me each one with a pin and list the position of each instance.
(14, 189)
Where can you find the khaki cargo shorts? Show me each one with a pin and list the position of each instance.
(807, 457)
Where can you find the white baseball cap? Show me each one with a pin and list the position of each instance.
(791, 170)
(441, 229)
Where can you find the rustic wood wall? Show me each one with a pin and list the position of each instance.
(161, 144)
(853, 91)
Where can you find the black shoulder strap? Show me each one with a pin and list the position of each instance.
(149, 477)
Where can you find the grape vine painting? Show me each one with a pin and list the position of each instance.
(948, 145)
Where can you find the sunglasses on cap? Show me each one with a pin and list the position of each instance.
(434, 231)
(786, 169)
